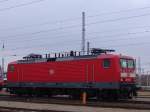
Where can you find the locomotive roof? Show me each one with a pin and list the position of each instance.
(114, 55)
(69, 58)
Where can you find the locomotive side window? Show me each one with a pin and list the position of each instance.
(106, 63)
(123, 63)
(11, 68)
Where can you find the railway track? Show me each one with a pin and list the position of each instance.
(125, 104)
(9, 109)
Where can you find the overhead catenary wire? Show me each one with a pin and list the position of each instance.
(121, 39)
(66, 44)
(118, 19)
(79, 25)
(129, 44)
(20, 5)
(73, 19)
(118, 35)
(118, 12)
(131, 33)
(92, 33)
(42, 31)
(42, 24)
(77, 34)
(104, 21)
(75, 41)
(112, 46)
(88, 24)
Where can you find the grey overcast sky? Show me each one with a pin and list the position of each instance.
(43, 26)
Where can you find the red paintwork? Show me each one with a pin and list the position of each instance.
(68, 71)
(1, 82)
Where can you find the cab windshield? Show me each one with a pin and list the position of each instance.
(127, 63)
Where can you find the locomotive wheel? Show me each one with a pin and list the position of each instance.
(108, 95)
(75, 96)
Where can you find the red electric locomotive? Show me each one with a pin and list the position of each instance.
(100, 74)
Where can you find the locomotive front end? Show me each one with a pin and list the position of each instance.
(128, 74)
(128, 77)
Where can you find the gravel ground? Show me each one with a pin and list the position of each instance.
(64, 107)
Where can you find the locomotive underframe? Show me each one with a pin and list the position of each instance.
(99, 90)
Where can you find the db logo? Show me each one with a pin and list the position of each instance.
(51, 71)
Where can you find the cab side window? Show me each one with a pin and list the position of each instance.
(11, 68)
(106, 63)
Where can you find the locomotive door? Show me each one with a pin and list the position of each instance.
(107, 71)
(19, 74)
(90, 73)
